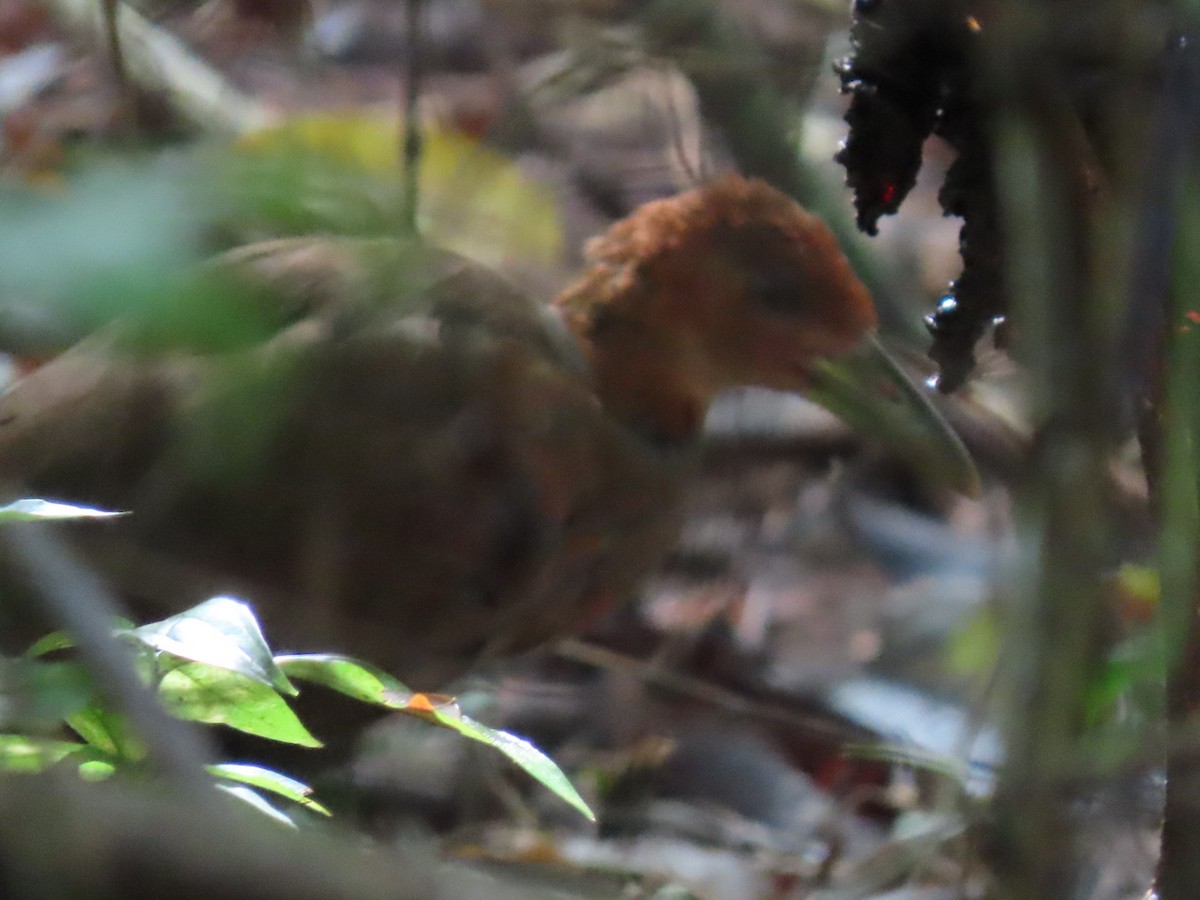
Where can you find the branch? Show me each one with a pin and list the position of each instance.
(156, 61)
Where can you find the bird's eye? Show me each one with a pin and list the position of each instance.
(775, 290)
(771, 269)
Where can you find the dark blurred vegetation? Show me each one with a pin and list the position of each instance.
(1064, 134)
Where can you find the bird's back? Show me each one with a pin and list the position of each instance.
(419, 476)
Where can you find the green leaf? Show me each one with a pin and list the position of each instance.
(218, 696)
(108, 732)
(63, 640)
(221, 632)
(1133, 674)
(271, 781)
(39, 695)
(974, 648)
(31, 510)
(96, 770)
(349, 676)
(122, 245)
(22, 753)
(55, 640)
(252, 799)
(1140, 581)
(528, 757)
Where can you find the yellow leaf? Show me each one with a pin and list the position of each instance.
(473, 200)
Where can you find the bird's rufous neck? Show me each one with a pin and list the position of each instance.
(640, 375)
(643, 384)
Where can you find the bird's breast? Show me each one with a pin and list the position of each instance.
(416, 500)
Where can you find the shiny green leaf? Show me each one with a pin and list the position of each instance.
(108, 732)
(22, 753)
(254, 800)
(349, 676)
(220, 632)
(218, 696)
(271, 781)
(528, 757)
(33, 510)
(96, 770)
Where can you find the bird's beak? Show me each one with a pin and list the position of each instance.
(866, 388)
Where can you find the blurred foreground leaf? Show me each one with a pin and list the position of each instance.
(38, 694)
(21, 753)
(119, 244)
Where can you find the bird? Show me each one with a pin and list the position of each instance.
(424, 468)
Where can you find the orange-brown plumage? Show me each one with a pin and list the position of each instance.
(424, 466)
(733, 283)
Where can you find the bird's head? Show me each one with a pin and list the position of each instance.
(735, 284)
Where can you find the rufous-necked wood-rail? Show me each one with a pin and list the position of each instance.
(423, 467)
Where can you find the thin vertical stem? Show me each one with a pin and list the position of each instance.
(126, 98)
(413, 140)
(1178, 871)
(1059, 234)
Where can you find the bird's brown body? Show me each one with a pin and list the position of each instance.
(423, 467)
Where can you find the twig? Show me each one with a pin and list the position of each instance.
(116, 56)
(413, 138)
(696, 172)
(704, 691)
(155, 60)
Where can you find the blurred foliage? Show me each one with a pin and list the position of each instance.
(1179, 537)
(120, 243)
(974, 648)
(1179, 549)
(342, 174)
(123, 240)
